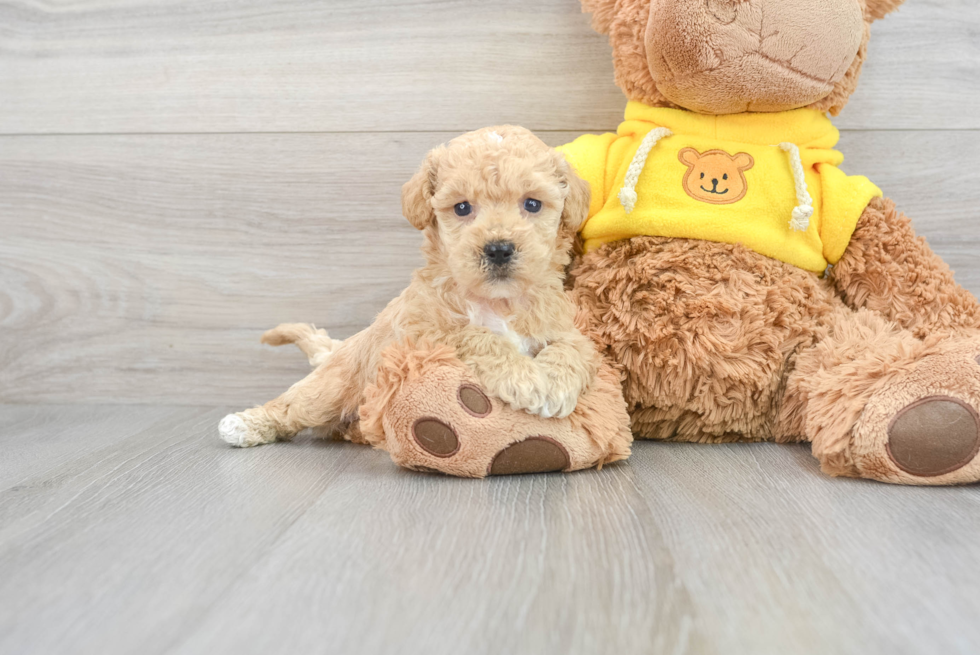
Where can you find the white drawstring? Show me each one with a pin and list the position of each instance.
(804, 210)
(627, 195)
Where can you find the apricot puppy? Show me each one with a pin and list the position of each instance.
(499, 210)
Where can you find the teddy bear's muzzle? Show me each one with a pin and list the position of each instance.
(730, 56)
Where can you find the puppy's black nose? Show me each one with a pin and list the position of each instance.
(498, 253)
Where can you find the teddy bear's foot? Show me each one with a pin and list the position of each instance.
(444, 422)
(437, 438)
(934, 436)
(430, 413)
(924, 427)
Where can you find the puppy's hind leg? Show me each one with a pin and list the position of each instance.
(321, 399)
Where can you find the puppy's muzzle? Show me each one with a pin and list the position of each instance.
(498, 254)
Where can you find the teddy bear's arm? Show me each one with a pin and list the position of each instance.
(889, 269)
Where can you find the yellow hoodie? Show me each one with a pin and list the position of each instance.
(767, 181)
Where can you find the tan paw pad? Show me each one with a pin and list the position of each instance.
(533, 455)
(934, 436)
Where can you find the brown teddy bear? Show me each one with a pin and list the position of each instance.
(747, 288)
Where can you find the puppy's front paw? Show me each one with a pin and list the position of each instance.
(540, 395)
(559, 404)
(524, 394)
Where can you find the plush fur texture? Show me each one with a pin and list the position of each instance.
(730, 56)
(704, 332)
(511, 323)
(415, 379)
(719, 343)
(889, 269)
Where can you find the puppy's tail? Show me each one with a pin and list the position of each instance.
(315, 344)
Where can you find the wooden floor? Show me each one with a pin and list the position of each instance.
(177, 177)
(133, 530)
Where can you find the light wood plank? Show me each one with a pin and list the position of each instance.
(246, 66)
(779, 558)
(921, 60)
(36, 439)
(121, 549)
(169, 542)
(144, 268)
(368, 65)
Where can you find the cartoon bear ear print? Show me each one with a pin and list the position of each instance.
(689, 156)
(744, 161)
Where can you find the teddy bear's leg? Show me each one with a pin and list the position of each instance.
(701, 331)
(430, 413)
(887, 268)
(877, 402)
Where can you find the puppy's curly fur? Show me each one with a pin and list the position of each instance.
(511, 322)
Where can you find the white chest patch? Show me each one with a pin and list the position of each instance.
(482, 316)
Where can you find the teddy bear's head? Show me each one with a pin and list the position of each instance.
(731, 56)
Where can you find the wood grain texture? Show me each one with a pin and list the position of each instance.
(177, 177)
(144, 268)
(162, 540)
(91, 66)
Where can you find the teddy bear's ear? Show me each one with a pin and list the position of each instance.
(418, 191)
(880, 8)
(603, 12)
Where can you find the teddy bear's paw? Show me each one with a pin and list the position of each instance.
(472, 437)
(444, 421)
(924, 428)
(430, 412)
(537, 454)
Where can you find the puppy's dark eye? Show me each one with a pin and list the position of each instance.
(702, 176)
(463, 209)
(532, 205)
(725, 176)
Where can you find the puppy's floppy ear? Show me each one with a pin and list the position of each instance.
(880, 8)
(417, 193)
(576, 208)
